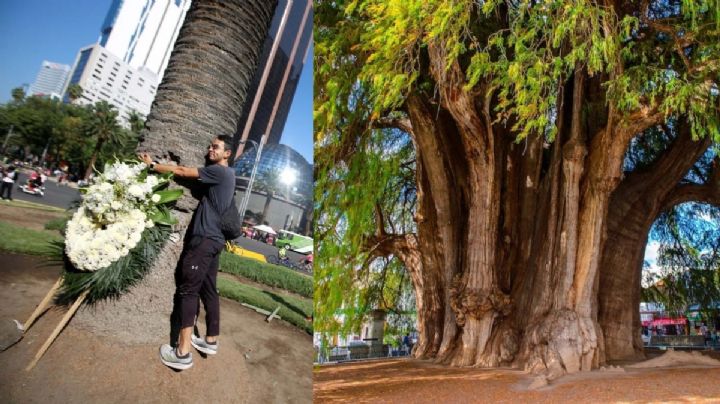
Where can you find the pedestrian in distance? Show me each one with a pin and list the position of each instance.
(196, 274)
(8, 180)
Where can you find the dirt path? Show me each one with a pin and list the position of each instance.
(258, 362)
(411, 381)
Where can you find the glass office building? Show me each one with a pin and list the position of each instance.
(284, 74)
(279, 157)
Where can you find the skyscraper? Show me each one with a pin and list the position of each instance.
(105, 77)
(127, 63)
(142, 32)
(273, 87)
(50, 80)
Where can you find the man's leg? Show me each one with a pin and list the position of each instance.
(211, 300)
(193, 270)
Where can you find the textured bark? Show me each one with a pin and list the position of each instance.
(200, 97)
(506, 261)
(635, 205)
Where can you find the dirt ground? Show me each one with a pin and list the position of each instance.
(412, 381)
(257, 363)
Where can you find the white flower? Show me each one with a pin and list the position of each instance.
(152, 181)
(136, 191)
(155, 198)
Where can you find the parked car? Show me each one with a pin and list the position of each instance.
(293, 241)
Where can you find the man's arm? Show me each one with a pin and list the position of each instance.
(179, 171)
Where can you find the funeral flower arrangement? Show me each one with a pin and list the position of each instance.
(116, 233)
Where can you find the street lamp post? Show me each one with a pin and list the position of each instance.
(248, 188)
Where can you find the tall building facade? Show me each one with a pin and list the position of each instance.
(50, 80)
(127, 63)
(142, 32)
(105, 77)
(276, 77)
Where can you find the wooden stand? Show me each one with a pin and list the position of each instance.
(42, 306)
(57, 330)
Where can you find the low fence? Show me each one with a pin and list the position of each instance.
(684, 341)
(357, 352)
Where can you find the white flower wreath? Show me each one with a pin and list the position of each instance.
(117, 207)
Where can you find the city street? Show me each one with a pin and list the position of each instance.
(59, 196)
(62, 196)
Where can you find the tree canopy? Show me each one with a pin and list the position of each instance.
(67, 130)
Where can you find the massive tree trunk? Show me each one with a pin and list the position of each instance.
(200, 97)
(509, 236)
(635, 205)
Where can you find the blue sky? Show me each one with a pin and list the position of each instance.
(35, 30)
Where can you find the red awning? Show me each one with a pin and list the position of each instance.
(666, 321)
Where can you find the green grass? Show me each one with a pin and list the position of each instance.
(57, 224)
(293, 310)
(267, 274)
(21, 240)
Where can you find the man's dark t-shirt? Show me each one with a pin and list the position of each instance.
(219, 187)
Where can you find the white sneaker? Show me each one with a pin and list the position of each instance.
(168, 356)
(203, 346)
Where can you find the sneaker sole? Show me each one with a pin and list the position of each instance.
(204, 350)
(175, 365)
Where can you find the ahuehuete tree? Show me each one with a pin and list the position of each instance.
(201, 96)
(526, 226)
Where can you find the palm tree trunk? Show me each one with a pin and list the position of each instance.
(201, 96)
(93, 159)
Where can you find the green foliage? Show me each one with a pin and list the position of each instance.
(74, 91)
(293, 310)
(348, 282)
(267, 274)
(18, 94)
(689, 255)
(116, 279)
(137, 122)
(21, 240)
(70, 132)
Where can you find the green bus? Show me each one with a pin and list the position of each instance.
(293, 241)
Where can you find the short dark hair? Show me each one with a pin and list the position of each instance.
(228, 140)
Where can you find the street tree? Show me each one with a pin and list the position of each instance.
(74, 92)
(18, 94)
(136, 121)
(103, 127)
(520, 116)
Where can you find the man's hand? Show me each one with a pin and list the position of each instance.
(179, 171)
(145, 158)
